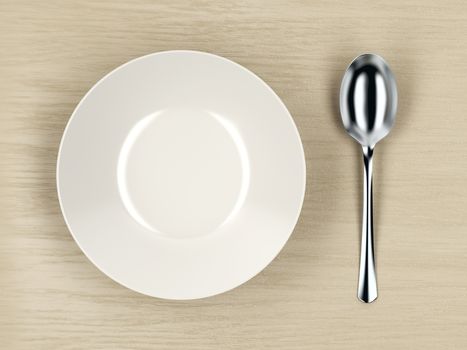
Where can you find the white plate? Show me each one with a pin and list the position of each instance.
(181, 175)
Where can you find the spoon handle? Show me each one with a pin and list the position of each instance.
(367, 289)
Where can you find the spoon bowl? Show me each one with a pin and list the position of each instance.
(368, 99)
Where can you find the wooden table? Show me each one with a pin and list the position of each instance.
(52, 297)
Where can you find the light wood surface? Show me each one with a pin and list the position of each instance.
(52, 297)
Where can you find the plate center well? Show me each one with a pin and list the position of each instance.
(183, 173)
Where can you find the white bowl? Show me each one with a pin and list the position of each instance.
(181, 175)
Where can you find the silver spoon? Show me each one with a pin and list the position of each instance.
(368, 104)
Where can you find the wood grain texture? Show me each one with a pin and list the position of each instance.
(52, 297)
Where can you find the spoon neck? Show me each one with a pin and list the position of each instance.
(368, 151)
(368, 165)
